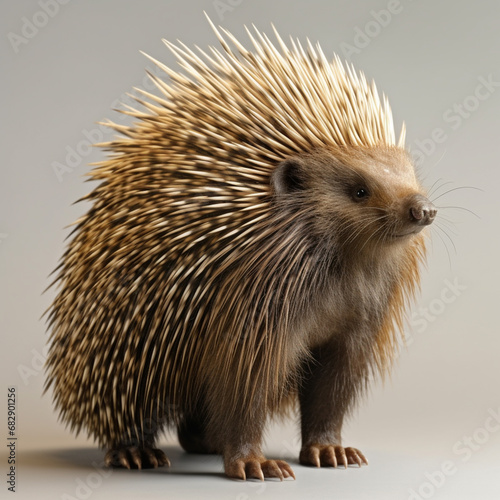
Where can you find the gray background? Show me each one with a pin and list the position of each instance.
(431, 57)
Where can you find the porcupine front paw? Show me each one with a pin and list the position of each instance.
(331, 456)
(257, 467)
(134, 457)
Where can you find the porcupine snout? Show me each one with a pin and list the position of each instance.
(422, 211)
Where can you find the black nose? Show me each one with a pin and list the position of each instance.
(422, 211)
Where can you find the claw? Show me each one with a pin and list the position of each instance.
(151, 457)
(253, 470)
(310, 456)
(123, 460)
(236, 470)
(328, 457)
(285, 468)
(257, 467)
(341, 451)
(133, 457)
(161, 458)
(331, 456)
(363, 458)
(272, 470)
(135, 454)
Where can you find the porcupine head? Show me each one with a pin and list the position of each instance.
(250, 249)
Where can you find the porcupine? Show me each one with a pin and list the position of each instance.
(251, 247)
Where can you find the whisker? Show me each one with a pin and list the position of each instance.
(433, 189)
(449, 238)
(450, 225)
(444, 218)
(440, 158)
(377, 230)
(360, 228)
(456, 189)
(445, 246)
(460, 208)
(382, 233)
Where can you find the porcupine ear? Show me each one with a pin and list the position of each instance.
(288, 177)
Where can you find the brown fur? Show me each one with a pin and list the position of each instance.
(213, 285)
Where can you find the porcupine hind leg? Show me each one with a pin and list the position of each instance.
(332, 380)
(136, 457)
(136, 450)
(192, 431)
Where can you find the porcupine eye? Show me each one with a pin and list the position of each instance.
(360, 194)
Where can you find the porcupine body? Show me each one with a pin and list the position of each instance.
(252, 244)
